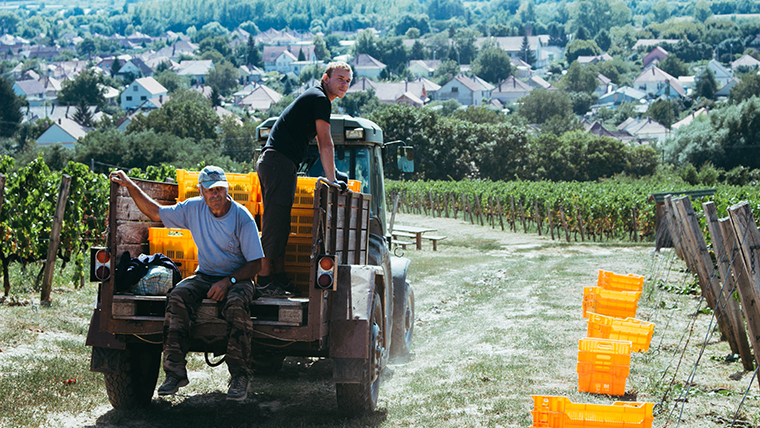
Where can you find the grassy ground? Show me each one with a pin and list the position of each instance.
(498, 320)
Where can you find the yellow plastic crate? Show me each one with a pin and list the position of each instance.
(603, 365)
(300, 277)
(301, 222)
(560, 412)
(243, 188)
(186, 267)
(173, 243)
(616, 282)
(639, 333)
(618, 304)
(298, 252)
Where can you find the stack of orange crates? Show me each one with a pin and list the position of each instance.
(618, 304)
(603, 365)
(560, 412)
(639, 333)
(243, 188)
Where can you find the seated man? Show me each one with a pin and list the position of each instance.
(229, 255)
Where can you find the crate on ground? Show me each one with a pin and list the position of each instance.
(616, 282)
(243, 188)
(618, 304)
(178, 245)
(603, 365)
(560, 412)
(636, 331)
(298, 252)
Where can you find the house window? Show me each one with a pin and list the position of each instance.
(643, 87)
(134, 88)
(143, 98)
(129, 98)
(454, 89)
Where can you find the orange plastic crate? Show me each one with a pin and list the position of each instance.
(186, 267)
(304, 196)
(243, 188)
(300, 277)
(603, 365)
(560, 412)
(612, 281)
(298, 252)
(618, 304)
(639, 333)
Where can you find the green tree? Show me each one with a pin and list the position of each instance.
(366, 43)
(603, 40)
(253, 54)
(85, 88)
(492, 64)
(526, 54)
(464, 43)
(171, 81)
(702, 11)
(706, 85)
(8, 22)
(10, 109)
(83, 115)
(661, 11)
(238, 140)
(748, 87)
(674, 66)
(445, 71)
(579, 79)
(224, 78)
(188, 114)
(417, 51)
(320, 49)
(664, 112)
(540, 105)
(115, 67)
(578, 48)
(88, 46)
(359, 104)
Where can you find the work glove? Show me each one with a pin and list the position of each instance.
(343, 186)
(341, 176)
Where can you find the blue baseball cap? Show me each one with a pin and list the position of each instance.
(212, 176)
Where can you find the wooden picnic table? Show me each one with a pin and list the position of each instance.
(412, 230)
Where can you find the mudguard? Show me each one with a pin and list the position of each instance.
(399, 268)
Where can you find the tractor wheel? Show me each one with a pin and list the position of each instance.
(134, 379)
(359, 399)
(403, 321)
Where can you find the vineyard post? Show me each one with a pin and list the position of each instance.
(635, 227)
(446, 203)
(454, 204)
(491, 217)
(580, 223)
(513, 221)
(421, 198)
(538, 216)
(464, 208)
(564, 222)
(673, 229)
(697, 249)
(480, 209)
(55, 237)
(749, 293)
(470, 210)
(522, 215)
(501, 219)
(393, 213)
(432, 203)
(721, 256)
(549, 219)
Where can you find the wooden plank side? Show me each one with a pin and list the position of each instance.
(749, 295)
(156, 190)
(134, 232)
(727, 282)
(706, 273)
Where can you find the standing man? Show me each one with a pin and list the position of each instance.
(306, 117)
(229, 256)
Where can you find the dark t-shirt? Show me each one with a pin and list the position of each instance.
(297, 125)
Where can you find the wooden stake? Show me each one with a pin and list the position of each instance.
(498, 205)
(538, 216)
(635, 227)
(580, 223)
(549, 219)
(480, 209)
(728, 284)
(513, 221)
(522, 216)
(564, 222)
(55, 239)
(432, 203)
(446, 203)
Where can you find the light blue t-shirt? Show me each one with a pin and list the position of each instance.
(224, 243)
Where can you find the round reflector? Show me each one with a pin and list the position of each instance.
(326, 263)
(102, 256)
(324, 280)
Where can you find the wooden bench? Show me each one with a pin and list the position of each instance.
(403, 234)
(400, 243)
(434, 239)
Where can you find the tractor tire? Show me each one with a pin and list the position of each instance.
(403, 321)
(359, 399)
(131, 385)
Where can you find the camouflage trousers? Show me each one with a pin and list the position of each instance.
(182, 305)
